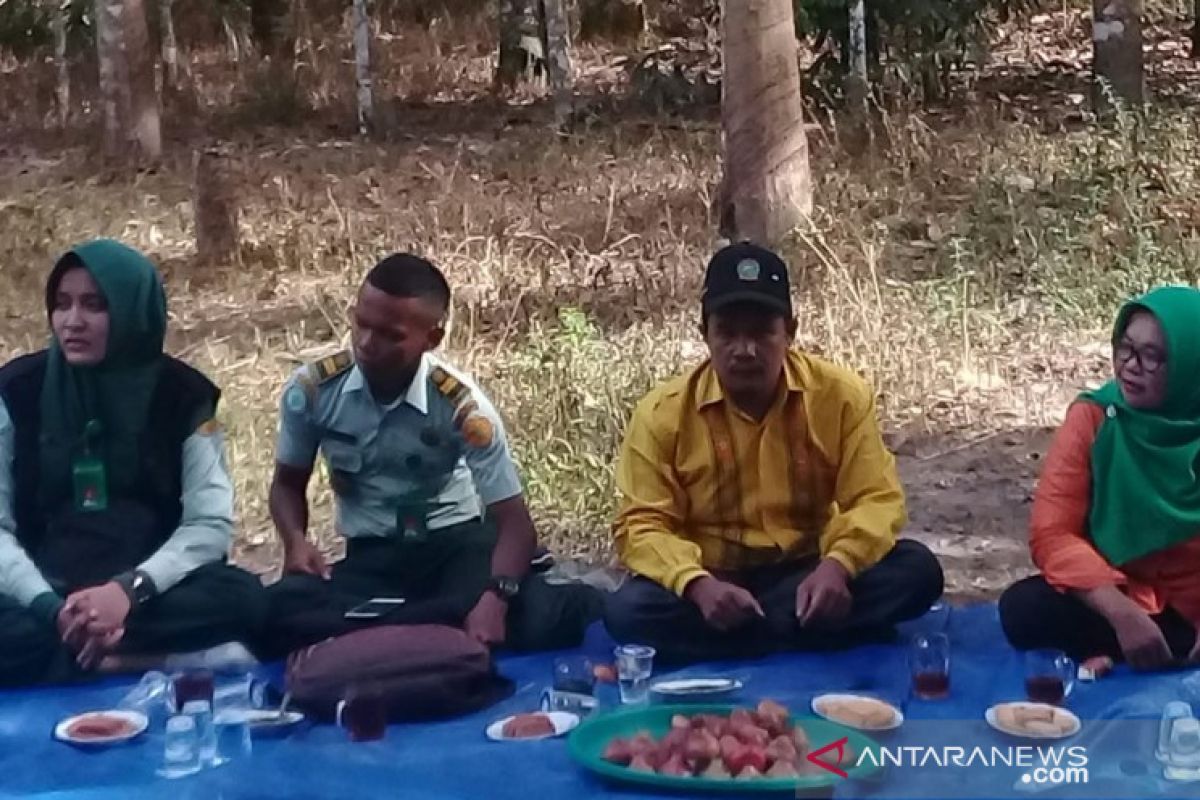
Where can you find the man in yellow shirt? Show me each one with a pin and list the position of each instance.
(759, 505)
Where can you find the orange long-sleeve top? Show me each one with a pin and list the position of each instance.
(1059, 542)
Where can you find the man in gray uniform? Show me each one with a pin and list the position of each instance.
(426, 491)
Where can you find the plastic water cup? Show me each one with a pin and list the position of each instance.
(181, 748)
(151, 696)
(206, 733)
(234, 742)
(635, 665)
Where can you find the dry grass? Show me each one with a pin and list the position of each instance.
(968, 264)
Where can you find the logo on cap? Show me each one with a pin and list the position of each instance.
(748, 269)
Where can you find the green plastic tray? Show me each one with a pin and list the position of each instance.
(587, 743)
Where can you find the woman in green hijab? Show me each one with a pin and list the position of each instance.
(116, 509)
(1115, 528)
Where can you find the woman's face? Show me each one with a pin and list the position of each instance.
(1140, 362)
(79, 318)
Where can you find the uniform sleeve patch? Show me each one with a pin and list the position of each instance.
(478, 431)
(296, 400)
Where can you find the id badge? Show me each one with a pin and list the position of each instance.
(411, 521)
(90, 484)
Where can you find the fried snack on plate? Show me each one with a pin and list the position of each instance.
(526, 726)
(861, 712)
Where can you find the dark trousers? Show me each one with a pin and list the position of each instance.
(440, 578)
(1035, 615)
(215, 604)
(900, 587)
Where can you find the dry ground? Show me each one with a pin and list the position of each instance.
(967, 263)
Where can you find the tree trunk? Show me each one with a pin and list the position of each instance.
(766, 190)
(62, 88)
(1196, 29)
(558, 56)
(216, 211)
(272, 30)
(612, 20)
(522, 43)
(858, 131)
(362, 65)
(1118, 61)
(145, 117)
(114, 86)
(170, 47)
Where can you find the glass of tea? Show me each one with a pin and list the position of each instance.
(193, 684)
(1049, 676)
(574, 674)
(362, 713)
(929, 662)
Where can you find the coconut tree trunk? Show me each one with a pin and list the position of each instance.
(766, 190)
(146, 119)
(362, 65)
(1118, 62)
(558, 56)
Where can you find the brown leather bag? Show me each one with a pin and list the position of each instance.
(419, 671)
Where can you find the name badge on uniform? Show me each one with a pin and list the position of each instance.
(88, 476)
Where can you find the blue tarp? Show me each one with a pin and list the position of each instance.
(454, 760)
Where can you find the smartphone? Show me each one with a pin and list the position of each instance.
(375, 608)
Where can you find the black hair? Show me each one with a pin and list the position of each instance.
(406, 275)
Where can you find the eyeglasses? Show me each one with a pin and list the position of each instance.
(1149, 359)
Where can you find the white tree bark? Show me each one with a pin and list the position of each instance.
(766, 191)
(858, 82)
(362, 65)
(558, 56)
(146, 118)
(114, 88)
(62, 89)
(170, 47)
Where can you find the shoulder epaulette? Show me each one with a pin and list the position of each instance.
(452, 388)
(330, 366)
(476, 429)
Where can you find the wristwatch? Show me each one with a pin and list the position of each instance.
(504, 587)
(138, 585)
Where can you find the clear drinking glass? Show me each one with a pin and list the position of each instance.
(181, 748)
(929, 662)
(635, 664)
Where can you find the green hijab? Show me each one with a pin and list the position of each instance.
(1146, 464)
(116, 393)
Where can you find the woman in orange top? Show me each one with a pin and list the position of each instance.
(1116, 519)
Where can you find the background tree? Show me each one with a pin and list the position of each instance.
(362, 65)
(766, 189)
(145, 119)
(1118, 61)
(522, 42)
(558, 56)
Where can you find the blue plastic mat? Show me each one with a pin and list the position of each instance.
(454, 759)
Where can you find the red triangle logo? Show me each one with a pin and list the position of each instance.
(836, 766)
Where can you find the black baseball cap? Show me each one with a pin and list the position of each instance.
(746, 273)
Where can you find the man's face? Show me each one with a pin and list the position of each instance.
(390, 334)
(748, 344)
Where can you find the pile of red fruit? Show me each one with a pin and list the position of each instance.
(746, 744)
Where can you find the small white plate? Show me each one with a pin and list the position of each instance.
(693, 688)
(266, 722)
(562, 721)
(137, 720)
(818, 707)
(990, 716)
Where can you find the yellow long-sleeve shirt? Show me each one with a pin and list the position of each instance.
(706, 487)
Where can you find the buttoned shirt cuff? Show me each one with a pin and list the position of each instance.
(680, 580)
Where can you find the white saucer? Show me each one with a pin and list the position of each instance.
(562, 721)
(135, 718)
(819, 702)
(990, 716)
